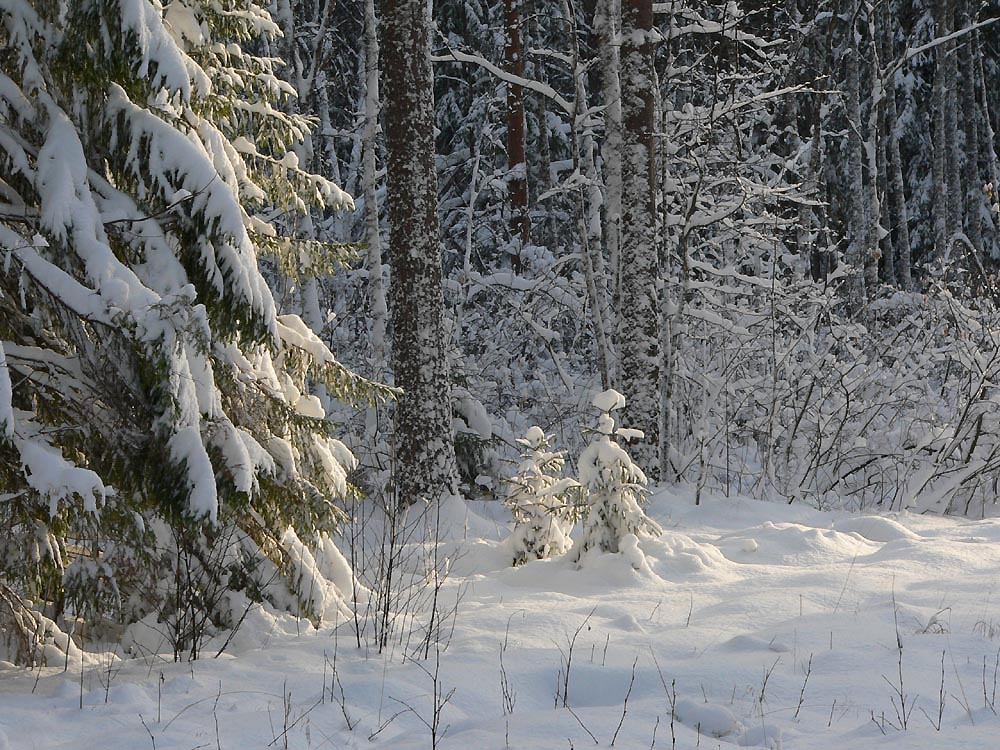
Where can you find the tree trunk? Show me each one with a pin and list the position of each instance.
(638, 311)
(588, 209)
(939, 162)
(895, 186)
(605, 24)
(970, 110)
(888, 248)
(517, 179)
(861, 249)
(378, 309)
(987, 150)
(425, 468)
(897, 196)
(875, 157)
(953, 154)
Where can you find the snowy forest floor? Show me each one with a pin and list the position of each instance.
(748, 624)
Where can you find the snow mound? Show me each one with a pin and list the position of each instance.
(629, 549)
(130, 695)
(677, 556)
(874, 528)
(627, 623)
(793, 544)
(944, 556)
(454, 519)
(760, 735)
(617, 568)
(707, 718)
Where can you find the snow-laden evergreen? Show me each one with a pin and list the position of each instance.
(614, 486)
(152, 399)
(540, 500)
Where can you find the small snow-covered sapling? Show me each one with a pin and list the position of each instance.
(615, 487)
(539, 499)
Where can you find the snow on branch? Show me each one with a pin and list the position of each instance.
(545, 90)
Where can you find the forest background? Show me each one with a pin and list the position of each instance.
(772, 226)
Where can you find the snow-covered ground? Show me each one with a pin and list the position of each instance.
(747, 624)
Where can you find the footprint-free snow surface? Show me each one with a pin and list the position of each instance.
(745, 624)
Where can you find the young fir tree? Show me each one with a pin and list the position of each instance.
(539, 500)
(615, 487)
(152, 400)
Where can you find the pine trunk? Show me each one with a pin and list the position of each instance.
(425, 468)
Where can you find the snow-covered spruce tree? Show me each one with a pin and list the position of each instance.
(153, 402)
(540, 501)
(614, 486)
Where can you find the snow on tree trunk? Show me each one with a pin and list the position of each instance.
(879, 152)
(425, 468)
(638, 310)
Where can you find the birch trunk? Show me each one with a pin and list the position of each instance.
(588, 208)
(638, 311)
(378, 309)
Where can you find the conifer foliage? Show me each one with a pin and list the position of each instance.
(152, 396)
(615, 486)
(540, 500)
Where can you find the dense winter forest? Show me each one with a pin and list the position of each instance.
(271, 273)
